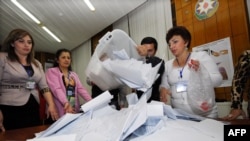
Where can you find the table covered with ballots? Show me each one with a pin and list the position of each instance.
(140, 121)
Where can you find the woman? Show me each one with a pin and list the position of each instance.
(239, 86)
(65, 84)
(21, 77)
(177, 71)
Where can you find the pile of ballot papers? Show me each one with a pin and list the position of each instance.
(141, 121)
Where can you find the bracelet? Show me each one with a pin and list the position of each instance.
(44, 90)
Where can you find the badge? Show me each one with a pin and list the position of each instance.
(70, 91)
(30, 85)
(181, 86)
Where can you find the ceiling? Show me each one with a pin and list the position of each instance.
(70, 20)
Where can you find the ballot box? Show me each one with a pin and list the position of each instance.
(108, 46)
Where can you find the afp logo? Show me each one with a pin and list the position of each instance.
(239, 132)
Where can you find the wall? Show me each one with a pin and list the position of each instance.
(230, 20)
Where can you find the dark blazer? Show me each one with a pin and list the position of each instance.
(155, 87)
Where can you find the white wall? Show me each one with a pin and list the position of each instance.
(80, 58)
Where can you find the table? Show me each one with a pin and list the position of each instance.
(28, 133)
(21, 134)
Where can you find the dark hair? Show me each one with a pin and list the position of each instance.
(179, 30)
(150, 40)
(13, 36)
(58, 53)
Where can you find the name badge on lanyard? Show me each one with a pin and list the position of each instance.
(181, 86)
(71, 95)
(30, 84)
(70, 91)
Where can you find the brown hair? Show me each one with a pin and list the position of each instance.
(13, 36)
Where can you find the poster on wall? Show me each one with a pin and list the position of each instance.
(220, 51)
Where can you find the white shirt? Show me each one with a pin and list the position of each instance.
(171, 77)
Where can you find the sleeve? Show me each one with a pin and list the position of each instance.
(208, 62)
(80, 89)
(2, 63)
(43, 86)
(240, 78)
(164, 79)
(56, 85)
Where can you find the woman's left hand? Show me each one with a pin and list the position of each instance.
(52, 111)
(194, 64)
(234, 114)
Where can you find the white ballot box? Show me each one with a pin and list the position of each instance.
(112, 46)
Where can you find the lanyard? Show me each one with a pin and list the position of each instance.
(183, 66)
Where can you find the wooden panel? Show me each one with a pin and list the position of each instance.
(179, 19)
(187, 15)
(228, 93)
(223, 24)
(185, 2)
(238, 19)
(211, 29)
(191, 30)
(240, 44)
(223, 4)
(220, 97)
(199, 34)
(177, 4)
(220, 94)
(220, 90)
(193, 8)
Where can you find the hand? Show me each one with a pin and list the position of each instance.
(163, 95)
(52, 111)
(68, 108)
(1, 122)
(194, 64)
(142, 50)
(234, 114)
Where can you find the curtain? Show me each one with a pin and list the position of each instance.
(153, 18)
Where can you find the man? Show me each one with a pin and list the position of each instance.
(151, 46)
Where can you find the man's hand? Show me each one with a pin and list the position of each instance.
(142, 50)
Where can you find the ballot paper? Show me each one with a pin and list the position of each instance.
(184, 130)
(99, 101)
(58, 125)
(133, 73)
